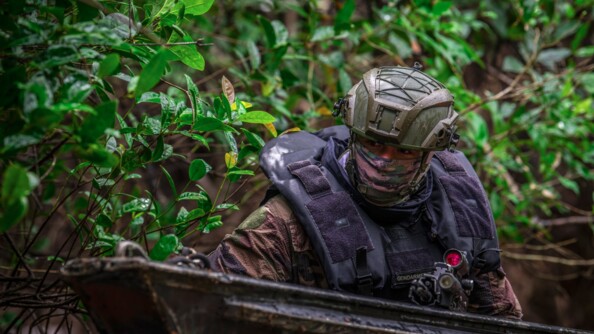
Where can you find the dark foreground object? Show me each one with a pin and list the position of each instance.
(133, 295)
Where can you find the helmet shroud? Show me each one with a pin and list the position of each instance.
(403, 107)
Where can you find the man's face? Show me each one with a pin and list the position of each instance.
(386, 168)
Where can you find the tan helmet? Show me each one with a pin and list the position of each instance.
(403, 107)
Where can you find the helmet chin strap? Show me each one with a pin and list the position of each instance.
(391, 198)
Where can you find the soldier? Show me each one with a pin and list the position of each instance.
(371, 206)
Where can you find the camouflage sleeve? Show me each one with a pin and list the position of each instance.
(493, 295)
(270, 244)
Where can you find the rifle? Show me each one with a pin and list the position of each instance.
(447, 286)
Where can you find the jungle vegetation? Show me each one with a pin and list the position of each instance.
(143, 119)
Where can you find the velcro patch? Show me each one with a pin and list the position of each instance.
(471, 209)
(340, 224)
(409, 265)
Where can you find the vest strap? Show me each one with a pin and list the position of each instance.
(364, 278)
(450, 163)
(315, 183)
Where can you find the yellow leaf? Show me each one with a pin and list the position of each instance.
(245, 104)
(324, 111)
(295, 129)
(228, 89)
(271, 129)
(230, 159)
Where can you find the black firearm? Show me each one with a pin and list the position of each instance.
(447, 286)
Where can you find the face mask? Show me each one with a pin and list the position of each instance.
(385, 182)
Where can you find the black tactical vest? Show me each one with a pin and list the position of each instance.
(361, 256)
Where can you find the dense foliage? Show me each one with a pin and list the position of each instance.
(105, 136)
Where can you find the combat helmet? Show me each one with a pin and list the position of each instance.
(403, 107)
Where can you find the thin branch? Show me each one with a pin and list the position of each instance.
(549, 259)
(543, 247)
(566, 221)
(197, 42)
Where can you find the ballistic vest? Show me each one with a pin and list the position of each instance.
(359, 255)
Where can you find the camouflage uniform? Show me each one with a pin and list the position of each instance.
(271, 244)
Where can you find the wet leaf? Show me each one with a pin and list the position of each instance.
(166, 245)
(198, 168)
(192, 196)
(136, 205)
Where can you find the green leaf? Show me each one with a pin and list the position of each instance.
(322, 34)
(344, 81)
(570, 184)
(169, 180)
(551, 57)
(104, 221)
(254, 54)
(111, 145)
(231, 142)
(168, 106)
(19, 141)
(151, 73)
(150, 97)
(343, 17)
(63, 107)
(478, 129)
(241, 172)
(268, 32)
(192, 196)
(103, 182)
(211, 124)
(280, 32)
(166, 245)
(225, 107)
(94, 126)
(97, 155)
(586, 51)
(441, 7)
(227, 206)
(109, 66)
(512, 64)
(15, 184)
(12, 213)
(182, 215)
(198, 168)
(253, 139)
(192, 91)
(580, 35)
(188, 54)
(259, 117)
(137, 221)
(136, 205)
(196, 7)
(158, 151)
(79, 167)
(212, 223)
(195, 214)
(55, 258)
